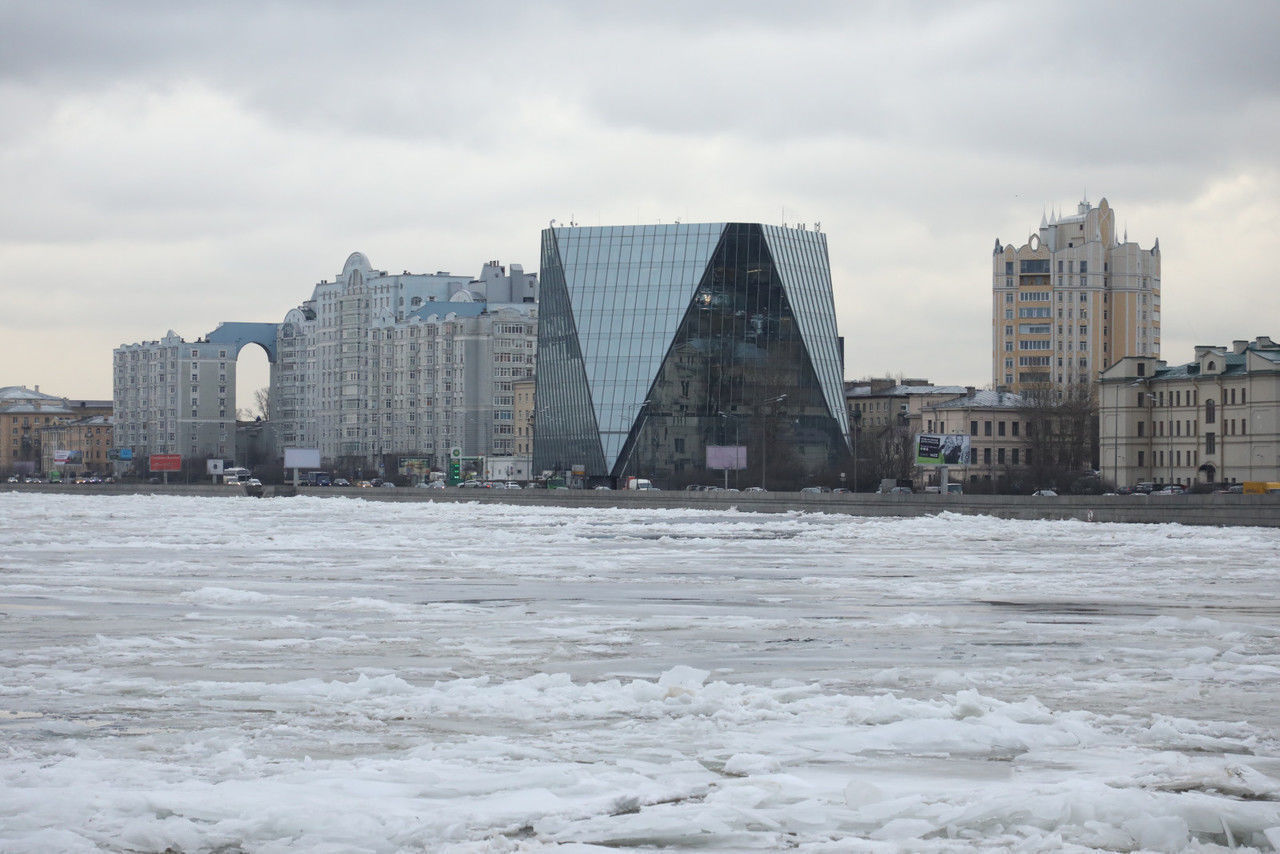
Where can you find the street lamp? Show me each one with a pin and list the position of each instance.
(644, 409)
(857, 428)
(764, 439)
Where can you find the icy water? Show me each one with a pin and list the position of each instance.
(232, 674)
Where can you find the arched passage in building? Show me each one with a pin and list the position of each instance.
(252, 385)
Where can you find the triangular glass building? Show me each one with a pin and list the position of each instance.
(656, 342)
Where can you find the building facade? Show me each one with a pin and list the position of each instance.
(1215, 419)
(658, 342)
(377, 365)
(174, 396)
(24, 412)
(1001, 448)
(1072, 301)
(78, 446)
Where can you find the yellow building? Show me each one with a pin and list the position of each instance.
(23, 412)
(1071, 302)
(77, 446)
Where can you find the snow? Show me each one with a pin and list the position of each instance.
(212, 674)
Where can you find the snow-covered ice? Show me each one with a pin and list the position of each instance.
(232, 674)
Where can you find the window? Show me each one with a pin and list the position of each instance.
(1209, 413)
(1210, 441)
(1142, 428)
(973, 428)
(1000, 456)
(986, 456)
(1000, 428)
(1142, 458)
(1015, 456)
(1015, 432)
(986, 428)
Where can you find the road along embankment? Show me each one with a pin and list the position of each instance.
(1226, 510)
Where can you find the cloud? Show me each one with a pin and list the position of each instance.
(172, 166)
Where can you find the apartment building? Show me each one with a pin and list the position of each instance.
(174, 396)
(1071, 302)
(376, 365)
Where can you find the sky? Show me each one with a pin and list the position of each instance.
(175, 165)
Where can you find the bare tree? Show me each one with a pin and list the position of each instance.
(1062, 428)
(262, 400)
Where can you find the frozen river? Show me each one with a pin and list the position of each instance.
(232, 674)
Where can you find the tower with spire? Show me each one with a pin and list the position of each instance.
(1071, 301)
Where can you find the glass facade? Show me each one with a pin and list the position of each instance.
(657, 341)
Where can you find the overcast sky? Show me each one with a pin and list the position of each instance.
(171, 165)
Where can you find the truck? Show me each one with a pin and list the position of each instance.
(1260, 487)
(636, 483)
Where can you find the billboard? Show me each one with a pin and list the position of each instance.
(950, 449)
(213, 467)
(727, 457)
(414, 466)
(165, 462)
(63, 458)
(301, 458)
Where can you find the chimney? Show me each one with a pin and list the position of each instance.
(1239, 346)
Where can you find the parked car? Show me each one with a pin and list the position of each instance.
(816, 489)
(1045, 493)
(1171, 489)
(341, 481)
(755, 489)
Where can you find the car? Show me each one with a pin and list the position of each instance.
(755, 489)
(1045, 493)
(341, 481)
(1171, 489)
(386, 484)
(364, 484)
(603, 488)
(13, 478)
(840, 490)
(471, 484)
(253, 481)
(430, 484)
(816, 489)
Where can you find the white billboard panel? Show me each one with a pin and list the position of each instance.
(727, 457)
(301, 458)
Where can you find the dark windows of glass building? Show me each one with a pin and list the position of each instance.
(658, 342)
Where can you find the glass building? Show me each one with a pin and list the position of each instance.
(657, 342)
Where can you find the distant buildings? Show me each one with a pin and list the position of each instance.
(31, 431)
(1071, 302)
(372, 369)
(659, 342)
(1215, 419)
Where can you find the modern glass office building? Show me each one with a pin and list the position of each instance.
(659, 341)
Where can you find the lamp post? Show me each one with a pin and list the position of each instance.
(644, 410)
(857, 428)
(764, 440)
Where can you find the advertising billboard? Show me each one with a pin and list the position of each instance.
(165, 462)
(63, 458)
(301, 458)
(214, 467)
(950, 449)
(728, 457)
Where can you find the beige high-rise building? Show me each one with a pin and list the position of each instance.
(1072, 301)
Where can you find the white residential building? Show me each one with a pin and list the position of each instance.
(408, 365)
(175, 397)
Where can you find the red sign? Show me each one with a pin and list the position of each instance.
(166, 462)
